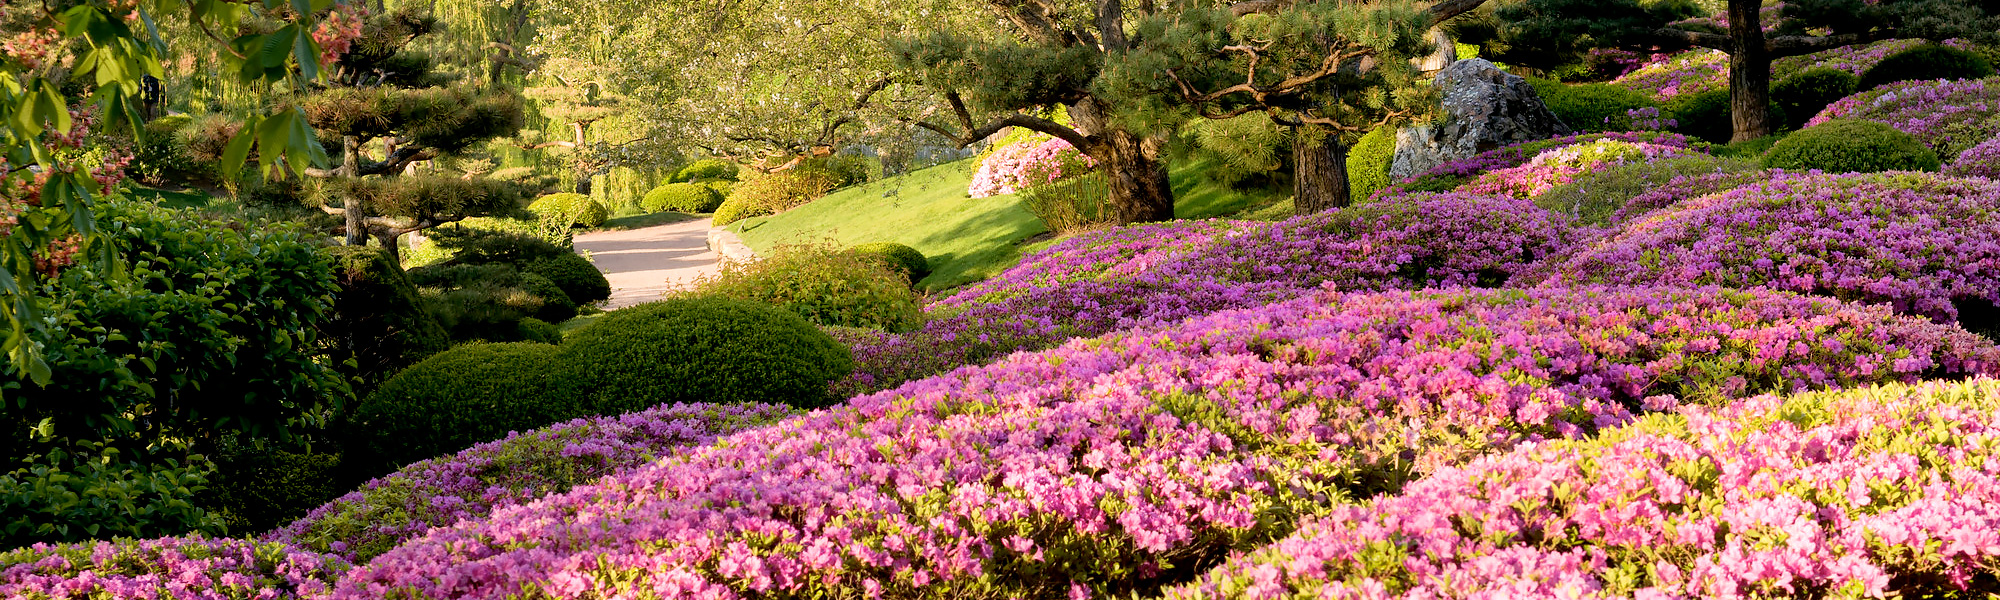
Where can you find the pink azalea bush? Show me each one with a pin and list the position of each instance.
(390, 510)
(1687, 187)
(1156, 274)
(1561, 165)
(190, 568)
(1682, 74)
(1982, 160)
(1924, 244)
(1883, 492)
(1027, 164)
(1451, 175)
(1111, 466)
(1948, 116)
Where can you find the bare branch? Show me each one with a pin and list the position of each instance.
(1257, 6)
(1446, 9)
(1794, 45)
(1714, 41)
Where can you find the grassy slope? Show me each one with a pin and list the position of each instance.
(967, 239)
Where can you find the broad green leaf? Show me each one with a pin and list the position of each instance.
(52, 107)
(277, 47)
(306, 52)
(272, 136)
(238, 149)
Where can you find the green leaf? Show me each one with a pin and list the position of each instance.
(52, 107)
(276, 47)
(238, 149)
(306, 52)
(272, 137)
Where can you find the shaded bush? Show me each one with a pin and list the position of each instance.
(1706, 115)
(702, 350)
(463, 396)
(1948, 116)
(271, 484)
(537, 330)
(84, 490)
(579, 279)
(1925, 63)
(825, 285)
(488, 301)
(704, 170)
(379, 321)
(681, 197)
(896, 256)
(1601, 197)
(1592, 107)
(574, 209)
(1805, 94)
(1851, 146)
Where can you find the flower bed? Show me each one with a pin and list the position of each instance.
(1686, 73)
(1560, 165)
(1854, 60)
(1109, 467)
(1156, 274)
(1948, 116)
(1925, 244)
(387, 511)
(1453, 174)
(1886, 492)
(190, 568)
(1982, 160)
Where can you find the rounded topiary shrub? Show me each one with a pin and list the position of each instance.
(823, 284)
(1851, 146)
(556, 305)
(705, 169)
(578, 209)
(537, 330)
(1805, 94)
(579, 279)
(1592, 107)
(681, 197)
(464, 396)
(722, 187)
(703, 350)
(378, 319)
(896, 256)
(1368, 162)
(1924, 63)
(735, 209)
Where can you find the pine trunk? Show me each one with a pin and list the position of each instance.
(1320, 161)
(1749, 72)
(1137, 181)
(357, 215)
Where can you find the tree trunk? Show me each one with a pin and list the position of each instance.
(1320, 163)
(1137, 179)
(1749, 72)
(357, 215)
(389, 245)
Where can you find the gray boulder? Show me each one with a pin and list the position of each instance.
(1485, 108)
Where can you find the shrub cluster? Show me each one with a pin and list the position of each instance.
(703, 350)
(1592, 107)
(1368, 162)
(175, 567)
(379, 321)
(1851, 146)
(494, 280)
(682, 197)
(1948, 116)
(463, 396)
(1623, 192)
(707, 169)
(1925, 63)
(1982, 160)
(1559, 166)
(1708, 115)
(901, 258)
(1451, 175)
(1803, 95)
(576, 210)
(1102, 468)
(773, 193)
(1026, 164)
(822, 283)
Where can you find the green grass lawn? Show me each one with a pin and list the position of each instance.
(967, 239)
(172, 199)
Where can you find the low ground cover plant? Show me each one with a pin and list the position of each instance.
(825, 284)
(1451, 175)
(1947, 116)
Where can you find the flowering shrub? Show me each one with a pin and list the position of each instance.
(1854, 60)
(1948, 116)
(168, 568)
(1156, 274)
(1558, 166)
(1884, 492)
(387, 511)
(1922, 243)
(1687, 187)
(1982, 160)
(1026, 164)
(1451, 175)
(1109, 467)
(1685, 73)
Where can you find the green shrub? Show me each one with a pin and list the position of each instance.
(487, 302)
(734, 210)
(703, 350)
(92, 492)
(1851, 145)
(703, 170)
(722, 187)
(556, 305)
(1594, 197)
(847, 169)
(574, 209)
(1926, 62)
(821, 283)
(539, 331)
(268, 485)
(379, 323)
(163, 156)
(1591, 107)
(503, 241)
(1805, 94)
(1368, 162)
(579, 279)
(1706, 115)
(896, 256)
(681, 197)
(773, 193)
(464, 396)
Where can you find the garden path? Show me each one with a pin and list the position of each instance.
(644, 263)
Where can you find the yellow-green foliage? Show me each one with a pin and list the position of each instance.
(1368, 162)
(1851, 146)
(576, 209)
(822, 283)
(681, 197)
(773, 193)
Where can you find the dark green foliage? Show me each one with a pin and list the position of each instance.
(445, 119)
(823, 284)
(537, 330)
(68, 494)
(163, 156)
(896, 256)
(1706, 115)
(425, 197)
(379, 323)
(1751, 149)
(704, 170)
(579, 279)
(1549, 34)
(265, 487)
(1368, 162)
(1926, 62)
(1803, 95)
(681, 197)
(1851, 145)
(703, 350)
(556, 305)
(464, 396)
(1593, 198)
(1591, 107)
(477, 246)
(488, 301)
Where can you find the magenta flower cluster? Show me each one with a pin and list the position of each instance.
(1687, 187)
(1156, 274)
(1027, 164)
(1982, 160)
(1948, 116)
(1888, 492)
(390, 510)
(191, 568)
(1922, 243)
(1561, 165)
(1111, 465)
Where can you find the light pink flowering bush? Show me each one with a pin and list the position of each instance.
(1682, 74)
(1109, 467)
(1026, 164)
(1948, 116)
(1883, 492)
(190, 568)
(1560, 165)
(1982, 160)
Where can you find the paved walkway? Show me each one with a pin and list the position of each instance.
(644, 263)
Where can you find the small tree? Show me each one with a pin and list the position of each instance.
(1545, 31)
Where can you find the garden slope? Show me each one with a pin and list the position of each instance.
(966, 239)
